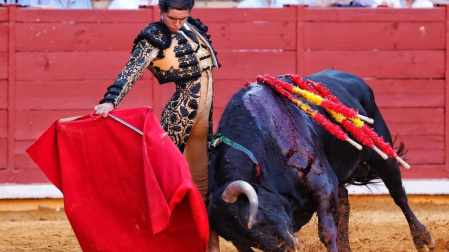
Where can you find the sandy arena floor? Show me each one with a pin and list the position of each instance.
(376, 225)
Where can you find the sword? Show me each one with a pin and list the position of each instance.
(126, 124)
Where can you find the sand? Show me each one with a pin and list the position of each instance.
(376, 224)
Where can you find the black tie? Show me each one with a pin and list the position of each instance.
(190, 34)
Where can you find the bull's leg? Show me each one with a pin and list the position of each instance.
(214, 242)
(326, 197)
(243, 247)
(343, 220)
(391, 176)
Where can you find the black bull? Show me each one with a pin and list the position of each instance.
(304, 169)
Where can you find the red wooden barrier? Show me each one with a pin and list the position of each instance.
(58, 63)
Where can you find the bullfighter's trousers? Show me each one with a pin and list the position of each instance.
(195, 151)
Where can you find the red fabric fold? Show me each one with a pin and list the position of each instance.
(123, 191)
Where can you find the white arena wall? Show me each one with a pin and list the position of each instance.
(416, 187)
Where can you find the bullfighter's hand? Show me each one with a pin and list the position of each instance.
(104, 108)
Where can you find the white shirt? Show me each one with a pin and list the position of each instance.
(130, 4)
(59, 4)
(264, 4)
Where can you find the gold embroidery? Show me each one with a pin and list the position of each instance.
(178, 114)
(203, 54)
(133, 69)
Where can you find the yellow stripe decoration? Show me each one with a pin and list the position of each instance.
(357, 122)
(337, 116)
(309, 96)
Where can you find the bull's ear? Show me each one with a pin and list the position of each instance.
(232, 192)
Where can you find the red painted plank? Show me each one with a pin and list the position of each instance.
(414, 121)
(26, 165)
(113, 37)
(76, 95)
(216, 118)
(207, 15)
(392, 35)
(32, 124)
(3, 154)
(253, 35)
(4, 36)
(23, 176)
(427, 149)
(3, 124)
(247, 65)
(426, 172)
(21, 146)
(36, 15)
(228, 15)
(76, 36)
(22, 160)
(225, 89)
(107, 65)
(373, 14)
(70, 65)
(379, 64)
(54, 36)
(408, 93)
(3, 65)
(447, 93)
(300, 47)
(4, 16)
(3, 94)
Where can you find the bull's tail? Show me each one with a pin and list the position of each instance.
(366, 174)
(400, 150)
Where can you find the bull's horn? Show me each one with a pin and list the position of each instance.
(232, 192)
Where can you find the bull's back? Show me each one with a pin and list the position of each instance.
(257, 112)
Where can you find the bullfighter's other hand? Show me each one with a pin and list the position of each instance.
(104, 108)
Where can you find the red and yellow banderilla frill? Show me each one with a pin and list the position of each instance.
(349, 118)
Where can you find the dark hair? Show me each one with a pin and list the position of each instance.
(164, 5)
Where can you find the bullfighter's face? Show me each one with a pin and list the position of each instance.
(273, 229)
(174, 19)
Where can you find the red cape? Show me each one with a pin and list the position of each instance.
(123, 191)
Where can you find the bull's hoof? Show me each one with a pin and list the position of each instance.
(428, 247)
(344, 249)
(296, 245)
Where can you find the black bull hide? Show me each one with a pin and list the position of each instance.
(304, 169)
